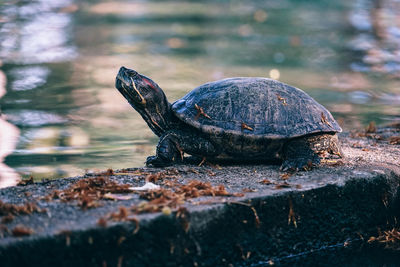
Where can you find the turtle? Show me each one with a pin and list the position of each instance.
(239, 119)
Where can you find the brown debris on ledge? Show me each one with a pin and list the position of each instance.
(387, 134)
(390, 239)
(88, 191)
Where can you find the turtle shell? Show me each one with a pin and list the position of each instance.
(254, 107)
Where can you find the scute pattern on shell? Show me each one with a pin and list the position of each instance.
(254, 107)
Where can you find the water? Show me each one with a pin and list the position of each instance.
(61, 114)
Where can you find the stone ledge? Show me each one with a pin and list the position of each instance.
(320, 216)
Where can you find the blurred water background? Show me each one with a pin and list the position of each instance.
(61, 115)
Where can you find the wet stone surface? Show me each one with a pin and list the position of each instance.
(258, 216)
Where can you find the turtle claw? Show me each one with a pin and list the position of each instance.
(155, 161)
(299, 164)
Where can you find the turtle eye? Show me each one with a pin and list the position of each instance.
(131, 73)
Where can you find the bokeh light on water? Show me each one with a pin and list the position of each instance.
(61, 114)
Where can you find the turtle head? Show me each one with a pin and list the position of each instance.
(146, 97)
(139, 90)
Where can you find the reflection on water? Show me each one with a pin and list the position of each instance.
(34, 118)
(61, 57)
(8, 139)
(378, 36)
(9, 135)
(34, 32)
(28, 78)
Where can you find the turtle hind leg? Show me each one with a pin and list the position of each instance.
(302, 158)
(174, 143)
(334, 147)
(306, 152)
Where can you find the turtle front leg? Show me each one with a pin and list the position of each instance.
(306, 152)
(174, 143)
